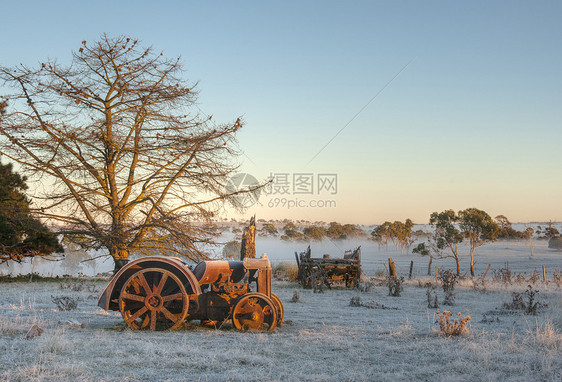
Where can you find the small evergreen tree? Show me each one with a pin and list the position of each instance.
(21, 235)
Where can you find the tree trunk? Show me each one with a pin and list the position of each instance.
(472, 262)
(458, 265)
(429, 265)
(120, 257)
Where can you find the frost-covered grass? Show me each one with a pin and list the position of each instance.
(323, 339)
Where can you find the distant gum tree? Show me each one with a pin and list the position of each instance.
(131, 159)
(450, 229)
(447, 235)
(401, 234)
(314, 232)
(478, 228)
(382, 233)
(529, 231)
(269, 229)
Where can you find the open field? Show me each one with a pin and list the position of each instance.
(323, 339)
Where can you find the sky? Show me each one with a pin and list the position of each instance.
(360, 111)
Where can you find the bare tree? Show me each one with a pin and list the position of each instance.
(124, 161)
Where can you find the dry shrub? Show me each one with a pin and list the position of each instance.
(503, 275)
(285, 271)
(448, 280)
(356, 302)
(547, 335)
(13, 324)
(557, 277)
(479, 284)
(395, 286)
(453, 328)
(432, 300)
(519, 278)
(366, 284)
(526, 301)
(65, 303)
(534, 277)
(296, 297)
(425, 284)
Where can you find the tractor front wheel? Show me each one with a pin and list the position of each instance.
(254, 311)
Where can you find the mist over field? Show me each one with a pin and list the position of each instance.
(373, 256)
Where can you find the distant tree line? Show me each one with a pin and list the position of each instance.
(311, 232)
(401, 234)
(506, 231)
(474, 226)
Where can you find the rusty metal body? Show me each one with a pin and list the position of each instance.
(157, 293)
(316, 272)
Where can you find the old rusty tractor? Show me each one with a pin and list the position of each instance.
(159, 293)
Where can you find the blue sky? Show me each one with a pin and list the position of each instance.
(474, 120)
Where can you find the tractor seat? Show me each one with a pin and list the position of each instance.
(199, 270)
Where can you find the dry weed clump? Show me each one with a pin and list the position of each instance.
(17, 324)
(453, 328)
(557, 277)
(448, 280)
(356, 302)
(65, 303)
(432, 300)
(503, 275)
(285, 271)
(296, 297)
(534, 277)
(479, 284)
(526, 301)
(519, 278)
(79, 285)
(366, 284)
(546, 335)
(425, 284)
(395, 286)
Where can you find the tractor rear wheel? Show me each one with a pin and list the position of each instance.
(153, 299)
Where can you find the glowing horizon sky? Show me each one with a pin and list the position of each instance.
(474, 120)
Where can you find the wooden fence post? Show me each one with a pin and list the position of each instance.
(485, 273)
(544, 273)
(411, 269)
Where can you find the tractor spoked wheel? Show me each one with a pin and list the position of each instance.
(254, 311)
(280, 310)
(153, 299)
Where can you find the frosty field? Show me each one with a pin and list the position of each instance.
(323, 338)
